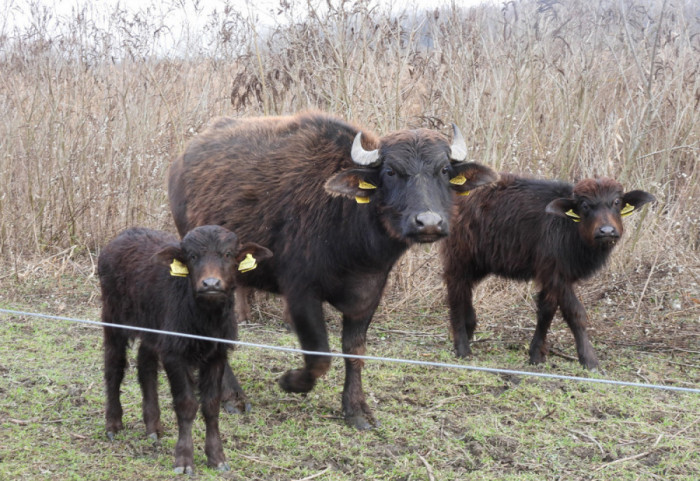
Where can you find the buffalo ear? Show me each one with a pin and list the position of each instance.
(465, 176)
(168, 254)
(353, 183)
(259, 252)
(562, 207)
(250, 254)
(634, 199)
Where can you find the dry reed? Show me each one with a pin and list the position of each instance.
(95, 112)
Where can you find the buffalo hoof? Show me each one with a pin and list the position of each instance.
(297, 380)
(112, 427)
(223, 467)
(361, 422)
(590, 362)
(184, 470)
(538, 350)
(463, 352)
(591, 366)
(535, 360)
(153, 437)
(360, 417)
(538, 355)
(237, 407)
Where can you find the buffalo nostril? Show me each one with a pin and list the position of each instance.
(607, 230)
(428, 219)
(211, 283)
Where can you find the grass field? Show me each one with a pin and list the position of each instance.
(95, 112)
(438, 424)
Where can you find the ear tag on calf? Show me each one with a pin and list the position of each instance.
(627, 210)
(247, 264)
(466, 192)
(459, 180)
(366, 185)
(573, 215)
(178, 269)
(361, 200)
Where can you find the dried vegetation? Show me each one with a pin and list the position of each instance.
(97, 103)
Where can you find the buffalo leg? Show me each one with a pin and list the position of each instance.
(210, 378)
(546, 308)
(575, 316)
(147, 368)
(186, 405)
(462, 315)
(358, 304)
(243, 296)
(307, 317)
(115, 344)
(355, 408)
(233, 399)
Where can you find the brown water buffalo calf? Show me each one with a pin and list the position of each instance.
(553, 232)
(150, 279)
(337, 206)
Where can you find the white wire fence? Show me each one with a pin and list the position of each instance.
(440, 365)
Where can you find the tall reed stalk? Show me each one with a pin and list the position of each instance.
(94, 112)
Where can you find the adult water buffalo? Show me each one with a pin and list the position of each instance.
(336, 205)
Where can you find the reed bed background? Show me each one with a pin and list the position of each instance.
(98, 102)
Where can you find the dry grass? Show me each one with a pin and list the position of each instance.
(94, 113)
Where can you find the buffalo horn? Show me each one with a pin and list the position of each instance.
(367, 158)
(458, 149)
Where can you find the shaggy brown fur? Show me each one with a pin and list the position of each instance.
(553, 232)
(139, 290)
(290, 184)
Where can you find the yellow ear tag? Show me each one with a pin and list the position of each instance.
(361, 200)
(367, 185)
(178, 269)
(627, 210)
(459, 180)
(247, 264)
(466, 192)
(573, 215)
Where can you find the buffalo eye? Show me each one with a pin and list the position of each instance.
(192, 257)
(390, 172)
(617, 202)
(445, 170)
(228, 254)
(584, 207)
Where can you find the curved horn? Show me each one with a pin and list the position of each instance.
(458, 149)
(367, 158)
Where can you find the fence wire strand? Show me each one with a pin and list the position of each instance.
(442, 365)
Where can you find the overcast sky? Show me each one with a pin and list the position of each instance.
(167, 27)
(17, 12)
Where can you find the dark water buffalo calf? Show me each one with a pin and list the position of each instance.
(553, 232)
(336, 206)
(150, 279)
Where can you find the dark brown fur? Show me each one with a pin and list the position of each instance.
(519, 229)
(289, 183)
(139, 290)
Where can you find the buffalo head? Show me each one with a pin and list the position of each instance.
(598, 205)
(409, 178)
(209, 256)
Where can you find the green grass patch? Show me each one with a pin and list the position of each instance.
(436, 423)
